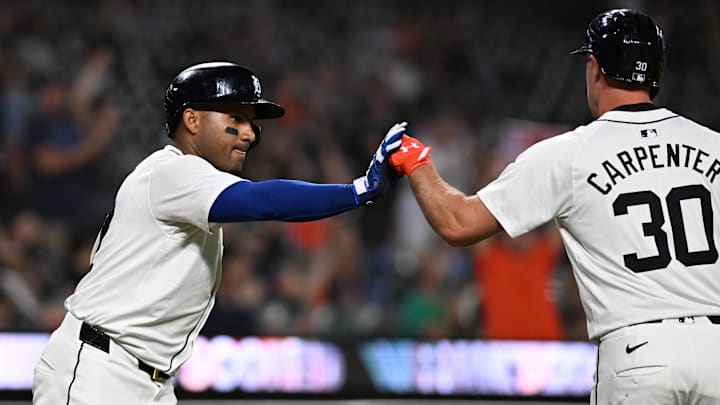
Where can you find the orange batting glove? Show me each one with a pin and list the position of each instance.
(409, 156)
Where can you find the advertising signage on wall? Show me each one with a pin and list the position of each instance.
(230, 367)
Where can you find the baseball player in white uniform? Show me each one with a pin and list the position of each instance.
(133, 319)
(636, 196)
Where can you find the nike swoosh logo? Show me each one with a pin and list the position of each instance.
(629, 349)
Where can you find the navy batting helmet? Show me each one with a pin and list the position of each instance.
(216, 86)
(628, 46)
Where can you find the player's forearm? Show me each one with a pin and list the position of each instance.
(438, 201)
(281, 200)
(459, 219)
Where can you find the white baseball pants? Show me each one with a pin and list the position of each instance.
(670, 362)
(72, 372)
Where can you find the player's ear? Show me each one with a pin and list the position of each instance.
(594, 68)
(191, 119)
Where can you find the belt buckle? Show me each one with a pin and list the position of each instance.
(156, 375)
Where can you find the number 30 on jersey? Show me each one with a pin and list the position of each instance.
(654, 229)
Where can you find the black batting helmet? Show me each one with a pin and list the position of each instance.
(216, 86)
(628, 46)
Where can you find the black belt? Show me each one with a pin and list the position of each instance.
(714, 319)
(100, 340)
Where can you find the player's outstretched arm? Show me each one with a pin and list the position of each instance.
(292, 200)
(461, 220)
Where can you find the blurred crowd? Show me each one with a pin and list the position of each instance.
(81, 93)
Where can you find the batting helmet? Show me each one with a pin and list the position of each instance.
(628, 46)
(217, 86)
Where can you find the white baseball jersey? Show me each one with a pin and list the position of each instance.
(635, 195)
(155, 272)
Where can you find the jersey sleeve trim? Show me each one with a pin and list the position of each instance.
(495, 209)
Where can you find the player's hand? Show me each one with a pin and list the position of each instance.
(411, 155)
(369, 186)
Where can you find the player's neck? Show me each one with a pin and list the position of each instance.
(613, 98)
(181, 143)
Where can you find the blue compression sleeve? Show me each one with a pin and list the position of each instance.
(281, 200)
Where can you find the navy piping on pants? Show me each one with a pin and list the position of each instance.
(77, 363)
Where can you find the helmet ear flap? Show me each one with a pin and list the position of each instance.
(257, 129)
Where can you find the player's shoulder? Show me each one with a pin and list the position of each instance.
(563, 143)
(615, 122)
(559, 151)
(661, 115)
(698, 126)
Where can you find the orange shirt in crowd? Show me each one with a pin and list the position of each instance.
(512, 278)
